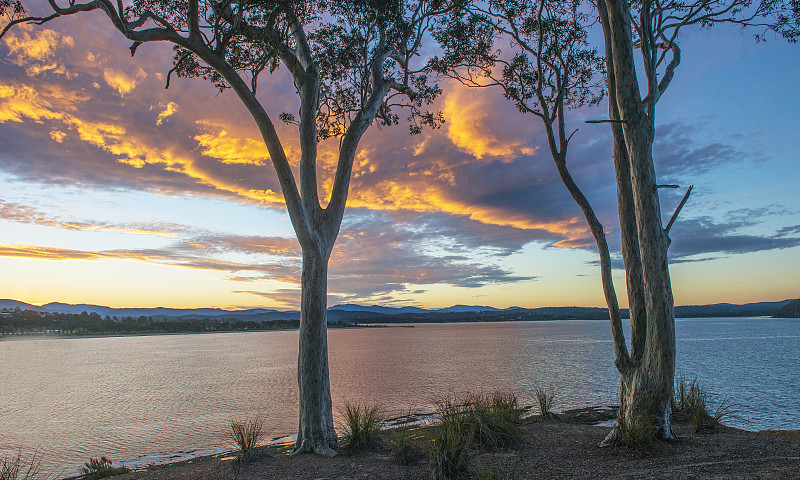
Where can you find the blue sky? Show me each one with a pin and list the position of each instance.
(115, 191)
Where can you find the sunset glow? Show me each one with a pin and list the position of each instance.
(119, 192)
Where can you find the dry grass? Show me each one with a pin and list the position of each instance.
(544, 398)
(19, 466)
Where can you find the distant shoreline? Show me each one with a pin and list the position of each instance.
(336, 326)
(29, 336)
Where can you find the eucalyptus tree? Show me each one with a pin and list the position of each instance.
(352, 64)
(537, 52)
(652, 27)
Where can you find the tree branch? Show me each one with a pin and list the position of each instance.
(678, 210)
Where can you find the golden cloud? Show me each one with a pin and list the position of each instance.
(34, 47)
(50, 102)
(469, 126)
(426, 198)
(19, 102)
(44, 253)
(429, 189)
(168, 111)
(158, 257)
(36, 69)
(27, 43)
(57, 135)
(121, 81)
(232, 150)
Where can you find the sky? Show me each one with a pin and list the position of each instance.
(116, 191)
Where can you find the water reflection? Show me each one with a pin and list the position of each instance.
(127, 397)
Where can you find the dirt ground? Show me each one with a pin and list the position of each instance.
(555, 449)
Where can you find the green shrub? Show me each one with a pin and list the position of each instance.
(101, 467)
(362, 427)
(545, 400)
(18, 466)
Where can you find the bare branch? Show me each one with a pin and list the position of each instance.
(678, 210)
(177, 64)
(33, 20)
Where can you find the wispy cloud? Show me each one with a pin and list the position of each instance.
(703, 236)
(25, 214)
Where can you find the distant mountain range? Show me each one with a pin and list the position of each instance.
(382, 314)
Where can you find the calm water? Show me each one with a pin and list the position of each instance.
(152, 398)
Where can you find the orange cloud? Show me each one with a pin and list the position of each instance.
(57, 135)
(426, 185)
(44, 253)
(233, 150)
(27, 43)
(33, 47)
(421, 198)
(121, 81)
(168, 111)
(20, 102)
(469, 126)
(160, 257)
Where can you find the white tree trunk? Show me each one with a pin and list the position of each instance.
(315, 433)
(646, 383)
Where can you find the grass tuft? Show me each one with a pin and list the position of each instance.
(247, 435)
(545, 400)
(101, 467)
(449, 449)
(404, 449)
(19, 466)
(474, 421)
(362, 425)
(690, 402)
(637, 435)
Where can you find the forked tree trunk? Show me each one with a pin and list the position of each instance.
(647, 381)
(315, 433)
(648, 387)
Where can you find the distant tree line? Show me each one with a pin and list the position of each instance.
(17, 322)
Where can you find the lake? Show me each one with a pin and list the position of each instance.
(145, 399)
